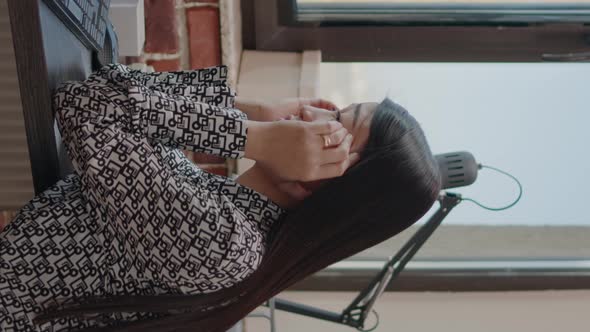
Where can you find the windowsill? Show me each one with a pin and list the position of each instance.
(493, 242)
(472, 258)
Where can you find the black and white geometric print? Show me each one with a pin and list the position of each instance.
(136, 217)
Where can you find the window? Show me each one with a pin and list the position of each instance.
(529, 119)
(477, 76)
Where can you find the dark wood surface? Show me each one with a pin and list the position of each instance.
(47, 53)
(448, 282)
(36, 97)
(248, 24)
(67, 59)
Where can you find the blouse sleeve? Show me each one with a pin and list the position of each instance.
(190, 110)
(157, 215)
(208, 85)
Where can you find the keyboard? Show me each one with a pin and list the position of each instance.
(87, 19)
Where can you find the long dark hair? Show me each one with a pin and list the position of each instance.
(391, 187)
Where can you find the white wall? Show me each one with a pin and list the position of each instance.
(529, 119)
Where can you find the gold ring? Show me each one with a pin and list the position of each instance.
(327, 141)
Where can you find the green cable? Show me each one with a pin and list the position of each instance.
(504, 207)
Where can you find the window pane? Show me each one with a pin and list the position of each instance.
(530, 119)
(451, 11)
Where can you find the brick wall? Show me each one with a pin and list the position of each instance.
(180, 34)
(5, 217)
(183, 34)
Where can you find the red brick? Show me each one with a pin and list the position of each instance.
(202, 158)
(2, 221)
(5, 218)
(219, 170)
(204, 36)
(161, 27)
(165, 65)
(201, 1)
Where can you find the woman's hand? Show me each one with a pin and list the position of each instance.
(265, 112)
(296, 151)
(285, 108)
(299, 190)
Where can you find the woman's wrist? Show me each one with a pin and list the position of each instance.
(255, 139)
(253, 109)
(295, 150)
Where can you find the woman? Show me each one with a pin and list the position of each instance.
(244, 280)
(137, 216)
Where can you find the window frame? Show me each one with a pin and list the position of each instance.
(270, 25)
(456, 276)
(445, 13)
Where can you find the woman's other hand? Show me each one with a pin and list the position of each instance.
(292, 107)
(297, 151)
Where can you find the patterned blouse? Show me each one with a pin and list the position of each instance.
(136, 217)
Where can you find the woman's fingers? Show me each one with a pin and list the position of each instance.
(335, 138)
(307, 116)
(339, 153)
(311, 113)
(324, 127)
(333, 170)
(322, 103)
